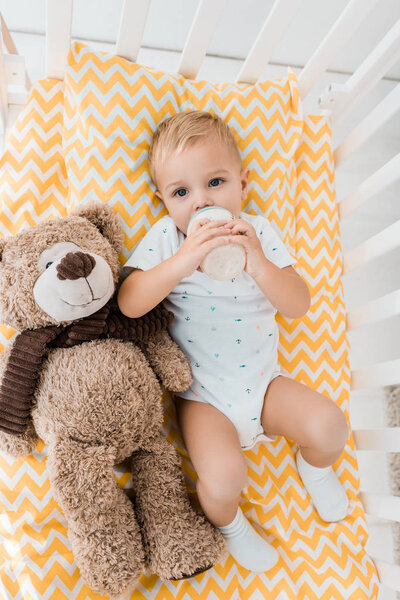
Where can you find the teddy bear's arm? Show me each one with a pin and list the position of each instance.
(168, 361)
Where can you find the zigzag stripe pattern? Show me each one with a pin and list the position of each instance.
(113, 106)
(91, 142)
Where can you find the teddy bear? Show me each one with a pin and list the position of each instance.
(87, 381)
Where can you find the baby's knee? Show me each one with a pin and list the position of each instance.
(328, 429)
(224, 479)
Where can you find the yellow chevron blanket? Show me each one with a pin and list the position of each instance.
(87, 138)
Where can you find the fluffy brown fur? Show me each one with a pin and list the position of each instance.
(95, 405)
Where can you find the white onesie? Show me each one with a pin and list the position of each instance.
(226, 328)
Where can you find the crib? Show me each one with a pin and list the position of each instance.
(332, 95)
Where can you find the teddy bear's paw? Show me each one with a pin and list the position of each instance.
(179, 379)
(177, 374)
(191, 547)
(110, 559)
(168, 361)
(19, 445)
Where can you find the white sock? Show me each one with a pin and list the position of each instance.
(247, 547)
(327, 494)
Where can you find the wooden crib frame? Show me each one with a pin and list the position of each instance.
(336, 100)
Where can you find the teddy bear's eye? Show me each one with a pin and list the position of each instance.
(48, 264)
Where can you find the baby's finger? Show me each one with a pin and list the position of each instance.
(238, 230)
(207, 233)
(206, 223)
(217, 223)
(214, 242)
(200, 223)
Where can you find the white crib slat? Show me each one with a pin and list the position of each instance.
(383, 242)
(389, 574)
(3, 91)
(379, 309)
(381, 506)
(368, 126)
(58, 36)
(376, 183)
(375, 376)
(339, 98)
(270, 35)
(386, 439)
(199, 36)
(131, 28)
(341, 31)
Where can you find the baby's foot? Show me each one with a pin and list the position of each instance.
(327, 494)
(247, 547)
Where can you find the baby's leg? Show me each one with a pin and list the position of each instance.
(319, 428)
(312, 420)
(214, 448)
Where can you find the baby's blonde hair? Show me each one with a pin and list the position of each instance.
(182, 131)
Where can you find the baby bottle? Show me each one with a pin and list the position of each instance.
(224, 262)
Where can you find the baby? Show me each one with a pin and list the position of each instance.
(228, 330)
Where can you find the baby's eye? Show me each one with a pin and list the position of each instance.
(214, 182)
(178, 192)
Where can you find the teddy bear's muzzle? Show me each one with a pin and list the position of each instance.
(75, 265)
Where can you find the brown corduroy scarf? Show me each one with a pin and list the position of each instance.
(29, 348)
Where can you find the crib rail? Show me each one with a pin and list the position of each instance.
(377, 183)
(129, 38)
(336, 101)
(58, 36)
(341, 31)
(380, 115)
(278, 20)
(201, 31)
(385, 439)
(380, 309)
(340, 98)
(376, 246)
(380, 505)
(377, 375)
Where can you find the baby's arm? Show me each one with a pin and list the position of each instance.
(143, 290)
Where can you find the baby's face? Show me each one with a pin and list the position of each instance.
(205, 174)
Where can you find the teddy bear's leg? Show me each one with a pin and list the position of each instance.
(178, 542)
(102, 528)
(168, 361)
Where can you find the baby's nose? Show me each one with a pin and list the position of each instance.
(203, 204)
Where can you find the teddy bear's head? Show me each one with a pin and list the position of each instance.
(61, 270)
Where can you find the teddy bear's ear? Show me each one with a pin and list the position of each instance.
(106, 221)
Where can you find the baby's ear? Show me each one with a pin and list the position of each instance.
(244, 179)
(158, 194)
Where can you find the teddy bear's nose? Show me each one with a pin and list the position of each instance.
(75, 265)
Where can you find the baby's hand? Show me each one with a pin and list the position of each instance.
(244, 234)
(204, 236)
(196, 225)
